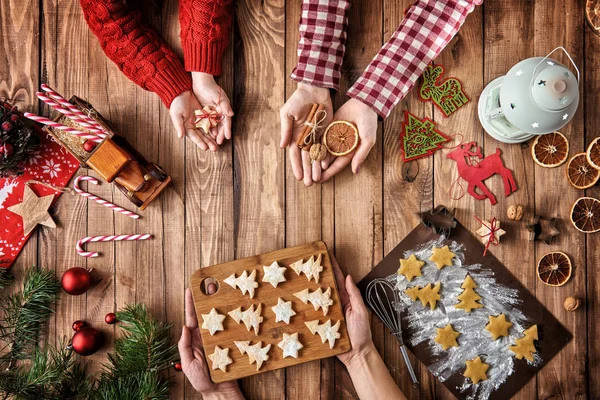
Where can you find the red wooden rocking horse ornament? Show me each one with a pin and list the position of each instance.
(476, 173)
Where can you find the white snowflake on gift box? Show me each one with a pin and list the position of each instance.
(1, 252)
(51, 168)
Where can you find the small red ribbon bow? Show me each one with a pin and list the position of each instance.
(206, 118)
(491, 235)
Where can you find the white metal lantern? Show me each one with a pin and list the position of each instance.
(539, 95)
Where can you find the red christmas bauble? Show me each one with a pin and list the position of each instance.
(78, 325)
(110, 318)
(76, 281)
(89, 146)
(177, 367)
(86, 341)
(7, 126)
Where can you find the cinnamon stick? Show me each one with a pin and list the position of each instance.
(306, 129)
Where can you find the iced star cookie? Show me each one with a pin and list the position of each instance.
(290, 344)
(246, 283)
(283, 311)
(249, 317)
(213, 321)
(220, 359)
(318, 298)
(274, 274)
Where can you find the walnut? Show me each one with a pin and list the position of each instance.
(318, 152)
(572, 303)
(515, 213)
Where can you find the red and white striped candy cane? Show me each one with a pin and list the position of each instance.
(67, 113)
(53, 124)
(84, 253)
(99, 200)
(63, 102)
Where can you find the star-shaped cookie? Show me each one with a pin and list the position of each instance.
(244, 282)
(256, 353)
(311, 268)
(290, 344)
(325, 331)
(220, 359)
(249, 317)
(213, 321)
(476, 370)
(283, 311)
(498, 326)
(442, 257)
(413, 292)
(33, 210)
(318, 298)
(274, 274)
(485, 232)
(410, 267)
(446, 337)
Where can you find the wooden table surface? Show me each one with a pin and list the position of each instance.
(244, 199)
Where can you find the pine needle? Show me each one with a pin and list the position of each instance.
(6, 278)
(25, 312)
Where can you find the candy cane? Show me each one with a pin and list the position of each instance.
(53, 124)
(63, 102)
(68, 113)
(84, 253)
(99, 200)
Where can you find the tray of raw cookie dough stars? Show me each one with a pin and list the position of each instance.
(270, 311)
(465, 316)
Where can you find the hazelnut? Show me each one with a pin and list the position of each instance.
(515, 213)
(572, 303)
(318, 152)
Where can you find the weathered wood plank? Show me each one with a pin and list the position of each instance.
(462, 58)
(258, 162)
(358, 198)
(591, 305)
(303, 214)
(508, 41)
(561, 23)
(64, 45)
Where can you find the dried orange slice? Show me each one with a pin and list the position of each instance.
(593, 153)
(340, 138)
(550, 150)
(554, 269)
(580, 172)
(585, 214)
(592, 15)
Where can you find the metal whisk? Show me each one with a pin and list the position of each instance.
(381, 297)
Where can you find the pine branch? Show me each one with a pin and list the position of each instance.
(53, 374)
(6, 278)
(141, 352)
(25, 313)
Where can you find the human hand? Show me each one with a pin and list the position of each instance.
(365, 120)
(293, 115)
(209, 93)
(181, 112)
(193, 362)
(357, 316)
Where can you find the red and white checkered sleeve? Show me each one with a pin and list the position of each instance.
(322, 42)
(428, 27)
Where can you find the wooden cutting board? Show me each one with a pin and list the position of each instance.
(227, 299)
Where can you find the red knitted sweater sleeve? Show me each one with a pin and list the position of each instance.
(137, 50)
(205, 26)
